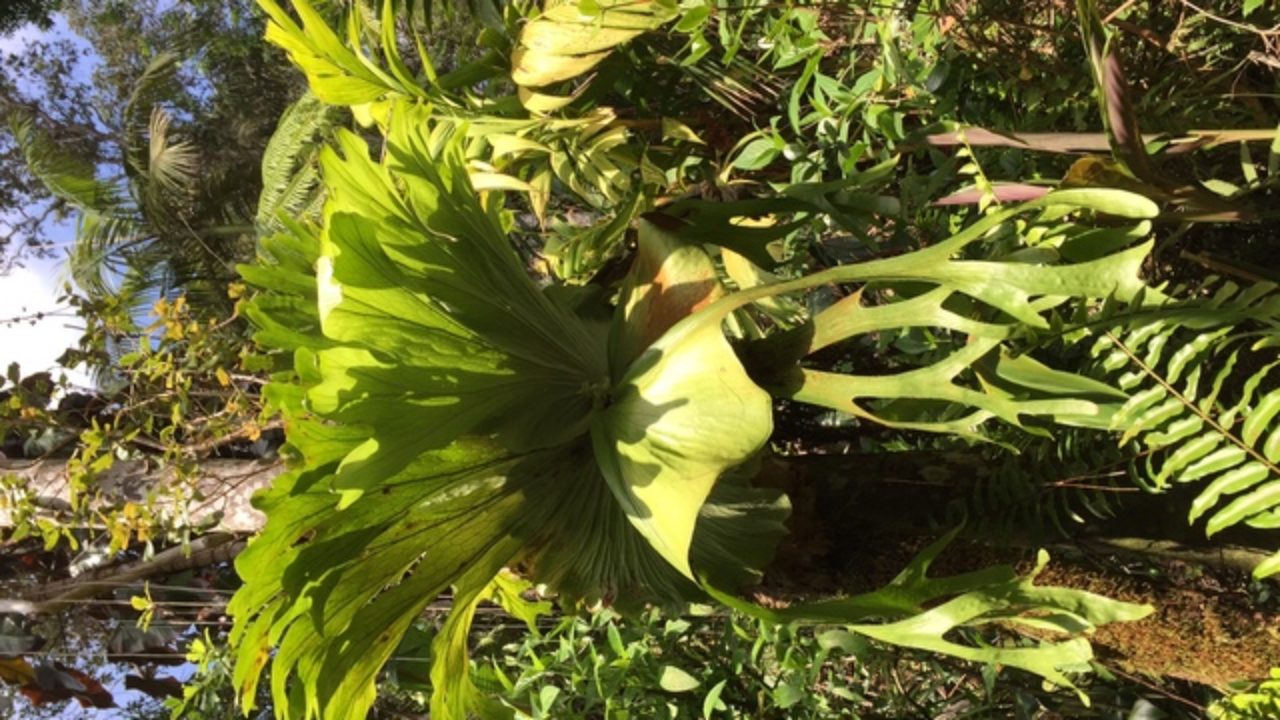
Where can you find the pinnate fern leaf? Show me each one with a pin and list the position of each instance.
(1204, 399)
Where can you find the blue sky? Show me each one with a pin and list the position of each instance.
(35, 287)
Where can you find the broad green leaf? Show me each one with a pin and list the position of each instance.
(674, 680)
(334, 577)
(757, 154)
(787, 693)
(564, 43)
(844, 641)
(533, 68)
(1026, 371)
(684, 413)
(1267, 567)
(1104, 200)
(457, 335)
(712, 702)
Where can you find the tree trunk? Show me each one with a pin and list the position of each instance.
(224, 487)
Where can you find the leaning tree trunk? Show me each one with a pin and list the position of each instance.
(51, 597)
(223, 489)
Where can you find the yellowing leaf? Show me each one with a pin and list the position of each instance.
(17, 671)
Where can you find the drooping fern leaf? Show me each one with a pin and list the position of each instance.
(1204, 396)
(1049, 489)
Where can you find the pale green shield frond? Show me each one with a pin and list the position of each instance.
(669, 280)
(684, 411)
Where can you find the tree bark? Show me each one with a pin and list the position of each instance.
(223, 486)
(204, 550)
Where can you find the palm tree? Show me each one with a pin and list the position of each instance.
(161, 224)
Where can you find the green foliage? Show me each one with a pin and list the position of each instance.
(703, 665)
(1199, 403)
(466, 397)
(430, 384)
(290, 167)
(177, 397)
(709, 663)
(1262, 701)
(459, 387)
(20, 12)
(144, 232)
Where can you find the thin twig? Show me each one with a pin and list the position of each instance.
(1124, 6)
(1157, 689)
(1232, 23)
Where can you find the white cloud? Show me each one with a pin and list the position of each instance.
(35, 346)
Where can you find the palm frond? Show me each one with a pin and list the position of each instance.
(139, 118)
(100, 251)
(171, 167)
(68, 177)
